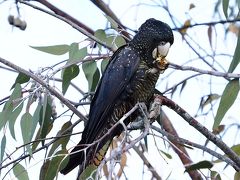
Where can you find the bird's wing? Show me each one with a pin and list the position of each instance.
(116, 77)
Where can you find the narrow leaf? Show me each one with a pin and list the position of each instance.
(199, 165)
(209, 31)
(26, 125)
(119, 41)
(215, 175)
(12, 119)
(10, 105)
(167, 154)
(76, 54)
(228, 97)
(55, 50)
(3, 146)
(236, 57)
(237, 176)
(69, 73)
(20, 172)
(46, 113)
(89, 173)
(89, 69)
(225, 4)
(236, 149)
(21, 78)
(61, 141)
(35, 119)
(54, 165)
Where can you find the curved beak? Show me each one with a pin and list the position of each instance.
(163, 49)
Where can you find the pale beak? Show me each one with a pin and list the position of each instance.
(163, 49)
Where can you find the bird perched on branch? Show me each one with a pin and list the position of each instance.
(129, 78)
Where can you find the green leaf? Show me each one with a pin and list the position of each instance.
(45, 112)
(101, 35)
(12, 119)
(237, 176)
(113, 23)
(215, 175)
(199, 165)
(236, 149)
(20, 172)
(76, 54)
(61, 141)
(3, 146)
(55, 50)
(119, 41)
(10, 105)
(26, 126)
(228, 97)
(21, 78)
(225, 4)
(104, 64)
(50, 168)
(89, 173)
(166, 154)
(35, 119)
(236, 57)
(69, 73)
(92, 74)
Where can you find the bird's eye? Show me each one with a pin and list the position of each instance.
(162, 43)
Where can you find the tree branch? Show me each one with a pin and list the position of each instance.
(182, 141)
(213, 73)
(46, 85)
(75, 26)
(179, 149)
(203, 130)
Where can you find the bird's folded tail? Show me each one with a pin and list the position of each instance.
(92, 158)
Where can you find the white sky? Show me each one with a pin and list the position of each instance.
(45, 30)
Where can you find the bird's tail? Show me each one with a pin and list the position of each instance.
(85, 158)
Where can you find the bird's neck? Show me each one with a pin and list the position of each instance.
(144, 51)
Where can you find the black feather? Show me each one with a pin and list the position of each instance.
(125, 82)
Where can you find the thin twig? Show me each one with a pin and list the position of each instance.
(213, 73)
(204, 148)
(207, 24)
(147, 163)
(75, 26)
(202, 129)
(46, 85)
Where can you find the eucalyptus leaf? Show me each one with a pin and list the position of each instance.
(69, 73)
(20, 172)
(92, 74)
(26, 125)
(199, 165)
(3, 146)
(51, 167)
(228, 97)
(55, 50)
(11, 105)
(21, 78)
(236, 57)
(225, 4)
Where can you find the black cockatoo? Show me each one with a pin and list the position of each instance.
(129, 78)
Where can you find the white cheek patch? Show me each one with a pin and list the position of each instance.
(154, 53)
(162, 50)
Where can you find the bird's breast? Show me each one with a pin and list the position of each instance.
(141, 86)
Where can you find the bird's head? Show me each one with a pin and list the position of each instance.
(153, 39)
